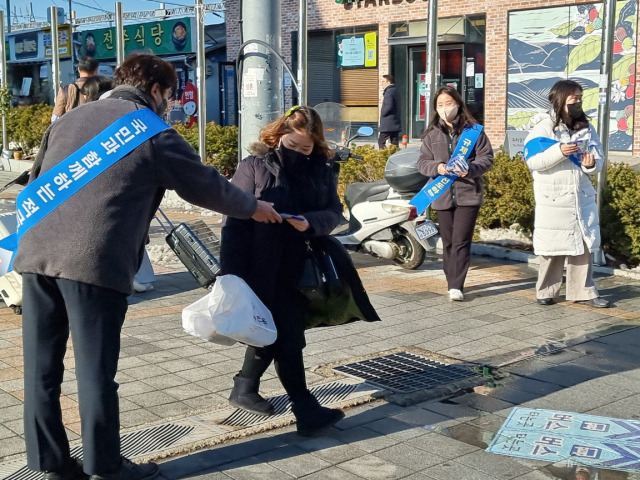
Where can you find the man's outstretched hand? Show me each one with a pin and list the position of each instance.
(265, 213)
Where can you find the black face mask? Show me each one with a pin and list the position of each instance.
(292, 156)
(574, 110)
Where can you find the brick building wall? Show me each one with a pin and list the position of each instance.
(326, 14)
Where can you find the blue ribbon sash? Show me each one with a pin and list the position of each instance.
(436, 187)
(540, 144)
(55, 186)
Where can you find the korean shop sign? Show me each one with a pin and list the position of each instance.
(160, 38)
(25, 46)
(357, 50)
(64, 41)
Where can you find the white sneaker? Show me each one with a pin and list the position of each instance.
(456, 295)
(142, 287)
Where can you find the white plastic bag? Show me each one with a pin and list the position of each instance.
(197, 321)
(233, 312)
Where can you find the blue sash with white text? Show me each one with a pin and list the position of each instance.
(47, 192)
(540, 144)
(436, 187)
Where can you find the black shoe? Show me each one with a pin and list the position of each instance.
(597, 302)
(130, 471)
(546, 301)
(72, 471)
(313, 419)
(245, 395)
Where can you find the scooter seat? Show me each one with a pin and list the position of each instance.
(361, 192)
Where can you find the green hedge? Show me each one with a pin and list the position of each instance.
(26, 125)
(221, 144)
(620, 213)
(508, 194)
(369, 169)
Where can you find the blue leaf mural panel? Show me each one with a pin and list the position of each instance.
(558, 43)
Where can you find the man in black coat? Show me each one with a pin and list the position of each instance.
(390, 125)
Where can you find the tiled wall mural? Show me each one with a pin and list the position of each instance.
(551, 44)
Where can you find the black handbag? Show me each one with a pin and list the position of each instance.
(312, 282)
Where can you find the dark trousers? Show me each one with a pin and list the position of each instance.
(51, 308)
(392, 136)
(456, 230)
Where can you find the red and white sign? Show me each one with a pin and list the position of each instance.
(189, 101)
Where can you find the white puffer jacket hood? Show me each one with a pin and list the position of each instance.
(566, 215)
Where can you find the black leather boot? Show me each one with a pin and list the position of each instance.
(312, 419)
(245, 395)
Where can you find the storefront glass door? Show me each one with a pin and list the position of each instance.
(450, 72)
(417, 85)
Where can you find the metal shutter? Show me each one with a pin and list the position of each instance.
(322, 77)
(359, 87)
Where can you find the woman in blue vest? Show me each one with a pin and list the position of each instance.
(457, 209)
(562, 151)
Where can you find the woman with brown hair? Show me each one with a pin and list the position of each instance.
(457, 208)
(291, 167)
(563, 152)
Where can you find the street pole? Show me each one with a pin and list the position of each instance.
(302, 53)
(55, 52)
(3, 80)
(119, 33)
(8, 17)
(73, 48)
(201, 72)
(260, 89)
(604, 93)
(432, 52)
(604, 102)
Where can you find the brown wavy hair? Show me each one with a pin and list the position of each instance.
(304, 119)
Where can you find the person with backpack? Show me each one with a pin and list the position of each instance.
(70, 96)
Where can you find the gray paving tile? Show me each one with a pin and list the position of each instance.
(334, 473)
(395, 428)
(499, 466)
(453, 470)
(11, 446)
(364, 439)
(452, 410)
(331, 450)
(416, 416)
(442, 446)
(252, 469)
(137, 417)
(409, 456)
(293, 461)
(373, 467)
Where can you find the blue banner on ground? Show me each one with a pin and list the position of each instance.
(436, 187)
(556, 436)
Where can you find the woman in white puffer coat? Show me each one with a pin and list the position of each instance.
(563, 151)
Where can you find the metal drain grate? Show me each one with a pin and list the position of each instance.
(132, 444)
(326, 394)
(405, 372)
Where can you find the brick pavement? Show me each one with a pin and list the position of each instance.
(165, 374)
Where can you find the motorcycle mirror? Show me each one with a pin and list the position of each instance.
(365, 131)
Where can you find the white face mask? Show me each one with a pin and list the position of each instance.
(448, 113)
